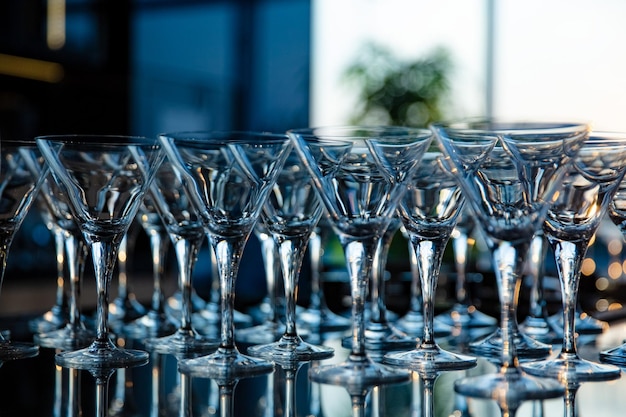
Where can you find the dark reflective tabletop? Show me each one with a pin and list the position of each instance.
(37, 387)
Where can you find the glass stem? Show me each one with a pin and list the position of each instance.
(272, 267)
(569, 401)
(537, 409)
(508, 260)
(227, 403)
(569, 257)
(428, 400)
(102, 395)
(416, 302)
(506, 411)
(358, 404)
(538, 252)
(59, 244)
(73, 406)
(185, 409)
(315, 256)
(359, 258)
(291, 256)
(379, 309)
(157, 394)
(186, 254)
(58, 390)
(120, 390)
(122, 282)
(228, 252)
(159, 244)
(76, 251)
(6, 237)
(429, 254)
(214, 296)
(461, 249)
(104, 254)
(290, 393)
(271, 394)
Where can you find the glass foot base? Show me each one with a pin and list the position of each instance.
(542, 330)
(125, 310)
(429, 360)
(225, 364)
(102, 355)
(509, 388)
(584, 323)
(291, 349)
(67, 338)
(323, 320)
(357, 372)
(572, 368)
(181, 343)
(412, 323)
(54, 319)
(614, 356)
(10, 351)
(174, 304)
(465, 316)
(383, 337)
(264, 333)
(527, 348)
(151, 324)
(208, 320)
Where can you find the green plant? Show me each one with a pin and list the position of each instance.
(397, 92)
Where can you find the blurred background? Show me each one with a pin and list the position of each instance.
(149, 66)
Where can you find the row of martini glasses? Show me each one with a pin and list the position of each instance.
(516, 179)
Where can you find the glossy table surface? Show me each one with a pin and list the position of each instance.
(36, 387)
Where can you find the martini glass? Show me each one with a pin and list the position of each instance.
(572, 221)
(74, 252)
(171, 197)
(104, 179)
(19, 185)
(360, 188)
(429, 212)
(290, 214)
(231, 175)
(491, 345)
(510, 173)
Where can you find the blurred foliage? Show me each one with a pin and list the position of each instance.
(397, 92)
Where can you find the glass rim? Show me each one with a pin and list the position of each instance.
(607, 136)
(340, 132)
(504, 127)
(17, 141)
(223, 136)
(108, 139)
